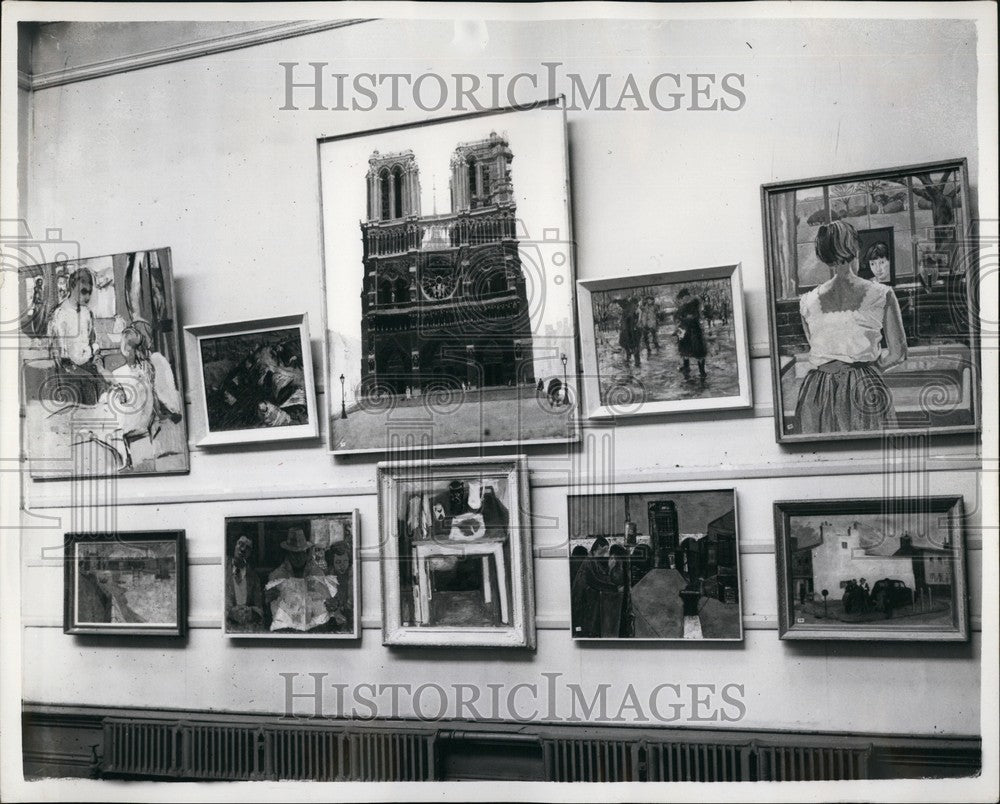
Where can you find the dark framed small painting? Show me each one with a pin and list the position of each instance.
(872, 569)
(133, 584)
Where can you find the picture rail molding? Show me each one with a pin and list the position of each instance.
(174, 53)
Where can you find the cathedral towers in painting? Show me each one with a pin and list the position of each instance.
(444, 302)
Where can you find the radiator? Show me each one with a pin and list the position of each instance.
(696, 762)
(221, 751)
(212, 750)
(143, 747)
(388, 756)
(308, 754)
(586, 760)
(811, 764)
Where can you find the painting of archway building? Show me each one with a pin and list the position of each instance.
(461, 329)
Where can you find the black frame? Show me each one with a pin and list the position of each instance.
(179, 629)
(951, 506)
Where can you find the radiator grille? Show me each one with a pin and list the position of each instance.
(811, 764)
(590, 760)
(151, 749)
(696, 762)
(210, 750)
(203, 749)
(302, 754)
(213, 751)
(383, 756)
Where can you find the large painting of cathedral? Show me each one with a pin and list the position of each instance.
(448, 277)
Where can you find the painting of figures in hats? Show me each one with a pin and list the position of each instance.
(655, 566)
(292, 576)
(664, 343)
(100, 384)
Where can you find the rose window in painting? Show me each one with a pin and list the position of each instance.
(439, 283)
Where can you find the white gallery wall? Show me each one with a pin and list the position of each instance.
(197, 155)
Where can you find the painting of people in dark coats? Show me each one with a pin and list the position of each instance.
(254, 380)
(655, 566)
(666, 342)
(99, 367)
(123, 585)
(291, 576)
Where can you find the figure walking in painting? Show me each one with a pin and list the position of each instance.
(73, 341)
(690, 337)
(846, 319)
(629, 332)
(649, 323)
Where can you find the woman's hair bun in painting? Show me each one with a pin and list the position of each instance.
(837, 242)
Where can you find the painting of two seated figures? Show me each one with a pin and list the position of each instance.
(291, 576)
(99, 367)
(454, 552)
(655, 566)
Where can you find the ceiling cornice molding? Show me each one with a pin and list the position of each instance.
(174, 53)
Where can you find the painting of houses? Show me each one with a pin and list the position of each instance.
(874, 566)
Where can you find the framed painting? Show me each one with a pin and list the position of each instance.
(293, 576)
(132, 584)
(456, 553)
(877, 569)
(664, 343)
(100, 382)
(870, 279)
(256, 380)
(870, 284)
(449, 282)
(659, 566)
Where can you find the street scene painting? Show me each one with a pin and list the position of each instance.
(655, 566)
(292, 576)
(663, 343)
(256, 380)
(872, 569)
(449, 283)
(870, 296)
(100, 377)
(125, 583)
(456, 553)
